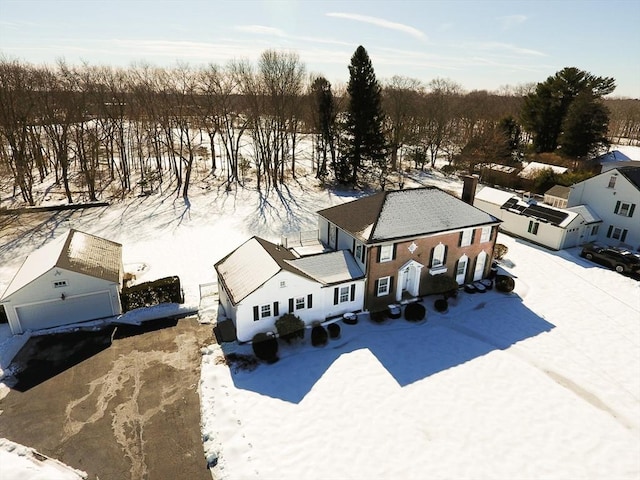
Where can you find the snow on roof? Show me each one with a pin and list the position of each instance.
(534, 167)
(585, 211)
(246, 269)
(329, 268)
(77, 252)
(404, 214)
(493, 195)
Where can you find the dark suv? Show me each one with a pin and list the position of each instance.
(621, 260)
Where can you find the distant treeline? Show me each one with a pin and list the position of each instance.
(99, 129)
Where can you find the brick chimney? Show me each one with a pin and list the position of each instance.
(469, 188)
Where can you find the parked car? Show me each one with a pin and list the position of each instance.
(619, 259)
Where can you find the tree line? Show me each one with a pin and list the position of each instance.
(100, 129)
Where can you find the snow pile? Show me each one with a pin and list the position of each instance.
(18, 462)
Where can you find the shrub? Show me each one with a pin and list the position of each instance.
(318, 336)
(265, 347)
(414, 312)
(500, 251)
(334, 330)
(290, 327)
(441, 305)
(505, 283)
(163, 290)
(442, 284)
(378, 317)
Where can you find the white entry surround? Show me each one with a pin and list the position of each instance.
(409, 279)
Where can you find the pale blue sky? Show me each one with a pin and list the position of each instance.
(478, 44)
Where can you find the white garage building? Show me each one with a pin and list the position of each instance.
(75, 278)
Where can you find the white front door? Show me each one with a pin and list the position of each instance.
(480, 263)
(409, 279)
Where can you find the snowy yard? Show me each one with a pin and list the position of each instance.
(541, 383)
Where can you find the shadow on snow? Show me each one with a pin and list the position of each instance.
(477, 325)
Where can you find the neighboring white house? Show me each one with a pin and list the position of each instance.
(76, 277)
(260, 281)
(552, 227)
(614, 196)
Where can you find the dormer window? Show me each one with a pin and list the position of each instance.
(612, 182)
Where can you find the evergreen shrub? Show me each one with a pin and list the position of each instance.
(265, 347)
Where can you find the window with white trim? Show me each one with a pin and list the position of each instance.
(386, 253)
(60, 284)
(612, 182)
(358, 253)
(265, 311)
(343, 294)
(617, 233)
(465, 239)
(438, 256)
(485, 236)
(594, 230)
(383, 286)
(300, 303)
(533, 227)
(624, 209)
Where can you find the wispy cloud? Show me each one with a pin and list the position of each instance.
(261, 30)
(380, 22)
(506, 47)
(510, 21)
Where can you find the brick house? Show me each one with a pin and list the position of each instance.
(369, 253)
(405, 240)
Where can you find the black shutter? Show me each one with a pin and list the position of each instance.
(624, 235)
(431, 257)
(615, 210)
(609, 231)
(390, 285)
(376, 286)
(291, 305)
(276, 309)
(473, 235)
(444, 257)
(309, 301)
(633, 207)
(335, 296)
(395, 249)
(460, 239)
(352, 297)
(256, 314)
(353, 246)
(379, 252)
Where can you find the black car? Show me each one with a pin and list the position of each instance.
(619, 259)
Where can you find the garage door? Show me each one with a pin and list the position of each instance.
(63, 312)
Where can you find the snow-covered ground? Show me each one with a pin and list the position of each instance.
(542, 383)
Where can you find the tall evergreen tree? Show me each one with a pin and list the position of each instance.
(584, 129)
(545, 110)
(365, 143)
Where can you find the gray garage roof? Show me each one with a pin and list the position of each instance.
(77, 252)
(407, 213)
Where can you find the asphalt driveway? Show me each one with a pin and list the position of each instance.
(117, 404)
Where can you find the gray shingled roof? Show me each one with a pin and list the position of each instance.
(559, 191)
(404, 214)
(329, 268)
(632, 174)
(91, 255)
